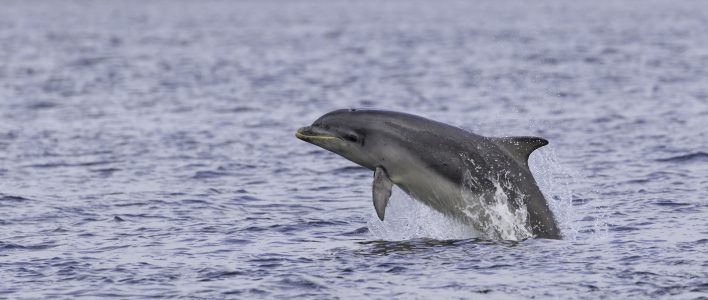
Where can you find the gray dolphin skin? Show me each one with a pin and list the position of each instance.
(454, 171)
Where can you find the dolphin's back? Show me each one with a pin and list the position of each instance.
(439, 146)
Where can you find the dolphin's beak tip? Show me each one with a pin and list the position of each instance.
(299, 133)
(307, 134)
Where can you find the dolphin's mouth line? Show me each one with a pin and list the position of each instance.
(306, 133)
(313, 137)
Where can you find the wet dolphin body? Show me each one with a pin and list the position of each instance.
(454, 171)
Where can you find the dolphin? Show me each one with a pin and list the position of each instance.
(477, 180)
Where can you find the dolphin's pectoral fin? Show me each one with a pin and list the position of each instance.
(520, 147)
(382, 191)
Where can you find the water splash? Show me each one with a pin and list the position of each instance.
(408, 219)
(555, 181)
(492, 217)
(496, 217)
(488, 215)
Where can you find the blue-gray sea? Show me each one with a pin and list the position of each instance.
(147, 148)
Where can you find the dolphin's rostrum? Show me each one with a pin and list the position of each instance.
(454, 171)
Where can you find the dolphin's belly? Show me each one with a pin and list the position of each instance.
(436, 192)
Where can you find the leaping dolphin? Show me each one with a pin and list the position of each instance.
(458, 173)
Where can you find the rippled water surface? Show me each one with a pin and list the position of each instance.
(147, 148)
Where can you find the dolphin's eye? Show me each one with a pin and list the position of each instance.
(351, 137)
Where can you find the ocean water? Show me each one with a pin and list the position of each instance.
(147, 148)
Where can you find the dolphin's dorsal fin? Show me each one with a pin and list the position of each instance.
(520, 147)
(382, 191)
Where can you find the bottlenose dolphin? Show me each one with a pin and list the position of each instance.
(458, 173)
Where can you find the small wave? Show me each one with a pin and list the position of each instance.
(303, 282)
(12, 246)
(41, 105)
(247, 198)
(239, 109)
(671, 203)
(86, 62)
(623, 228)
(324, 223)
(211, 274)
(194, 201)
(106, 171)
(11, 198)
(64, 164)
(356, 232)
(691, 157)
(236, 241)
(254, 229)
(425, 244)
(108, 248)
(208, 174)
